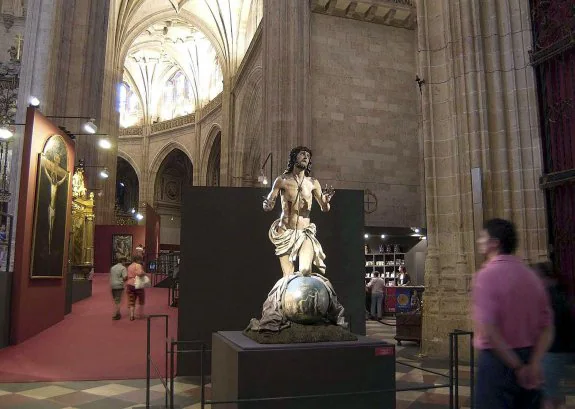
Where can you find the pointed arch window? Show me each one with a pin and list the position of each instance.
(128, 106)
(177, 97)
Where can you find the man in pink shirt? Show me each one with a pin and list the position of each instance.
(513, 323)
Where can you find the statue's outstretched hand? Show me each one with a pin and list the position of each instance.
(328, 193)
(268, 205)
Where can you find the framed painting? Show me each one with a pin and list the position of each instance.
(121, 247)
(51, 211)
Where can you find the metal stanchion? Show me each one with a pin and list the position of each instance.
(472, 372)
(148, 365)
(202, 380)
(451, 371)
(172, 344)
(456, 369)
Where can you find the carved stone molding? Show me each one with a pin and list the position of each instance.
(133, 130)
(396, 13)
(174, 123)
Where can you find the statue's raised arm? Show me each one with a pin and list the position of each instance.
(270, 199)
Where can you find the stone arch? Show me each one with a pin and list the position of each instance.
(214, 162)
(128, 190)
(249, 139)
(132, 162)
(159, 159)
(207, 149)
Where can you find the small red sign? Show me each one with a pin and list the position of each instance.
(384, 351)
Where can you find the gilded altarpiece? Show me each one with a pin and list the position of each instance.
(82, 236)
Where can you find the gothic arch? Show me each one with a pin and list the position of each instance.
(207, 149)
(132, 162)
(159, 159)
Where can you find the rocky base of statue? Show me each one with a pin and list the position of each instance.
(300, 309)
(300, 334)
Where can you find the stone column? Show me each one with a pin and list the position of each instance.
(286, 65)
(63, 65)
(479, 112)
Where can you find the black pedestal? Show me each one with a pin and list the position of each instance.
(244, 369)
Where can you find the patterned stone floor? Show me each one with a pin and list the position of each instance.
(128, 394)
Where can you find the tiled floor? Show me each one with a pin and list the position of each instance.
(129, 394)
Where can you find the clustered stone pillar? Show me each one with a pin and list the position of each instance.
(63, 65)
(287, 106)
(479, 113)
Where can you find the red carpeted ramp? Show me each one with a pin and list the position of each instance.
(89, 345)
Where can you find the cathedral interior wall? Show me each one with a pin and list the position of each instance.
(365, 115)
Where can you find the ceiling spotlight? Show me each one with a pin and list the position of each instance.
(90, 126)
(104, 173)
(365, 236)
(139, 216)
(383, 236)
(5, 132)
(34, 102)
(105, 143)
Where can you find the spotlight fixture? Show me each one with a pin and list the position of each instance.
(383, 236)
(263, 179)
(5, 132)
(139, 216)
(133, 210)
(122, 184)
(34, 102)
(365, 236)
(424, 238)
(104, 173)
(90, 126)
(105, 143)
(416, 230)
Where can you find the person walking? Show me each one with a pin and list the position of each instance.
(118, 275)
(513, 323)
(377, 286)
(562, 350)
(135, 270)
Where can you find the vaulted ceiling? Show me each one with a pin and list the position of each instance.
(228, 24)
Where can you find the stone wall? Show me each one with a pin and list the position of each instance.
(248, 142)
(365, 110)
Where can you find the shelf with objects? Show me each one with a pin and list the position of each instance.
(397, 256)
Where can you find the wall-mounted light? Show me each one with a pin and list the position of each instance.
(104, 173)
(5, 132)
(133, 210)
(104, 143)
(366, 236)
(262, 178)
(34, 102)
(90, 126)
(424, 238)
(122, 184)
(139, 216)
(383, 236)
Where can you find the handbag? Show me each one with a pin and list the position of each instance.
(141, 282)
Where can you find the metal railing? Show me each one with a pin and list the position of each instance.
(172, 349)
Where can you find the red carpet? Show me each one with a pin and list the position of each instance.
(89, 345)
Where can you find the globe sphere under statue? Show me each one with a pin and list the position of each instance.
(305, 300)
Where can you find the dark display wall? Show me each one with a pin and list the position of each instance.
(228, 264)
